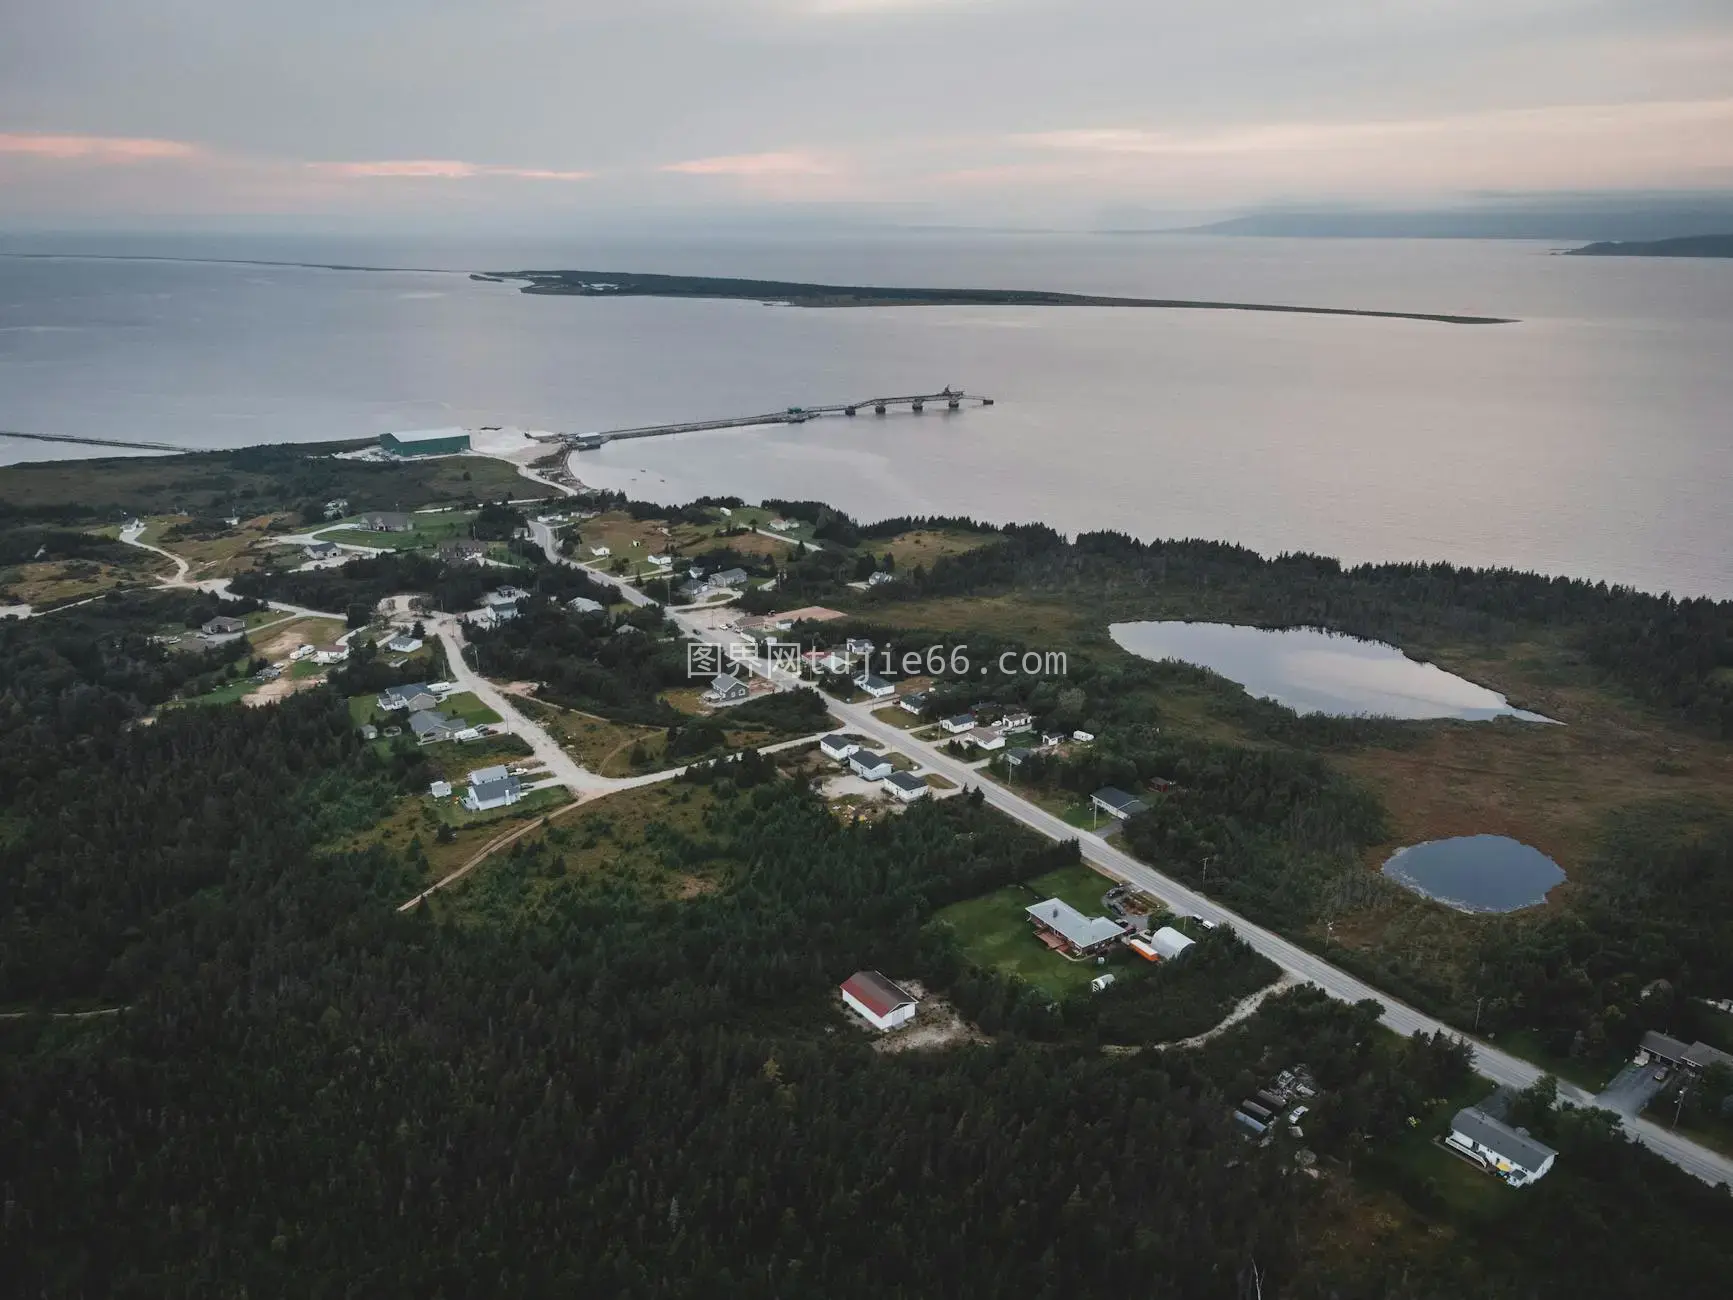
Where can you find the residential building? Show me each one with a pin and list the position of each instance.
(425, 442)
(729, 578)
(1016, 720)
(415, 697)
(915, 702)
(601, 552)
(1062, 927)
(906, 786)
(1017, 757)
(959, 724)
(223, 625)
(497, 789)
(1695, 1057)
(984, 738)
(463, 550)
(870, 766)
(858, 645)
(1116, 803)
(725, 689)
(320, 550)
(330, 654)
(430, 725)
(387, 521)
(880, 1003)
(1510, 1152)
(500, 597)
(662, 561)
(838, 747)
(404, 644)
(440, 789)
(584, 605)
(877, 687)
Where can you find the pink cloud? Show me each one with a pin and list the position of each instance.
(443, 169)
(755, 165)
(95, 148)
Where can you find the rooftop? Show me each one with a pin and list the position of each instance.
(1077, 929)
(1518, 1148)
(906, 781)
(876, 993)
(1118, 800)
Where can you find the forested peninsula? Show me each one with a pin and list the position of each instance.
(1685, 246)
(619, 284)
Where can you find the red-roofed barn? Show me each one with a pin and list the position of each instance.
(878, 1001)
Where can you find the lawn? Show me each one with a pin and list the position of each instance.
(601, 745)
(994, 932)
(452, 812)
(228, 693)
(49, 582)
(275, 643)
(466, 706)
(429, 531)
(924, 545)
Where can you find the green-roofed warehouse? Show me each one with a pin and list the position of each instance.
(425, 442)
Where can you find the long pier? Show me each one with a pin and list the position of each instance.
(92, 442)
(952, 398)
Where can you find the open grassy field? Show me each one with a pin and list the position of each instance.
(221, 555)
(428, 531)
(601, 745)
(465, 705)
(994, 932)
(924, 545)
(276, 642)
(49, 582)
(604, 838)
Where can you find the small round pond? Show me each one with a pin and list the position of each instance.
(1476, 873)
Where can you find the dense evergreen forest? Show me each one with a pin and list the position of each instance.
(636, 1080)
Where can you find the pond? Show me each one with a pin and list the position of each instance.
(1476, 873)
(1311, 671)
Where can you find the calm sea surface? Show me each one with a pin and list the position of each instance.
(1595, 438)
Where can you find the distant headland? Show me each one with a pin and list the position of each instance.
(617, 284)
(1685, 246)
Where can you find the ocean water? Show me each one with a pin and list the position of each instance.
(1312, 671)
(1593, 438)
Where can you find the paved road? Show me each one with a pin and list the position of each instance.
(1498, 1066)
(543, 536)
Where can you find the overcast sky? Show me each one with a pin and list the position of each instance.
(974, 110)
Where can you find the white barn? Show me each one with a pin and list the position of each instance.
(880, 1003)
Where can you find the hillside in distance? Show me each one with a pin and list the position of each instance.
(1688, 246)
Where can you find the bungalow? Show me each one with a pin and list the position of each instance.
(662, 561)
(330, 654)
(869, 766)
(223, 625)
(1052, 739)
(463, 550)
(1695, 1057)
(725, 689)
(1017, 757)
(1016, 720)
(601, 552)
(584, 605)
(415, 697)
(729, 578)
(429, 726)
(959, 724)
(877, 687)
(404, 644)
(838, 746)
(387, 521)
(491, 787)
(857, 645)
(906, 786)
(915, 702)
(1511, 1153)
(1062, 927)
(320, 550)
(985, 738)
(878, 1001)
(1116, 803)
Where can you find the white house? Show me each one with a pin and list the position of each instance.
(839, 747)
(877, 687)
(1116, 803)
(440, 789)
(491, 787)
(913, 702)
(877, 1001)
(331, 654)
(320, 550)
(601, 552)
(870, 766)
(1016, 720)
(1511, 1153)
(959, 724)
(985, 738)
(858, 645)
(662, 561)
(404, 644)
(1062, 926)
(906, 787)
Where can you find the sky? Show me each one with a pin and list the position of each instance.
(520, 112)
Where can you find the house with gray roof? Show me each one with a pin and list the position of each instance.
(729, 578)
(725, 689)
(1062, 926)
(387, 521)
(1116, 803)
(491, 787)
(431, 726)
(1509, 1152)
(415, 697)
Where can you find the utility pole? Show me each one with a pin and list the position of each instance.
(1477, 1002)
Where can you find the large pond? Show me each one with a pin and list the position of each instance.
(1476, 873)
(1319, 672)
